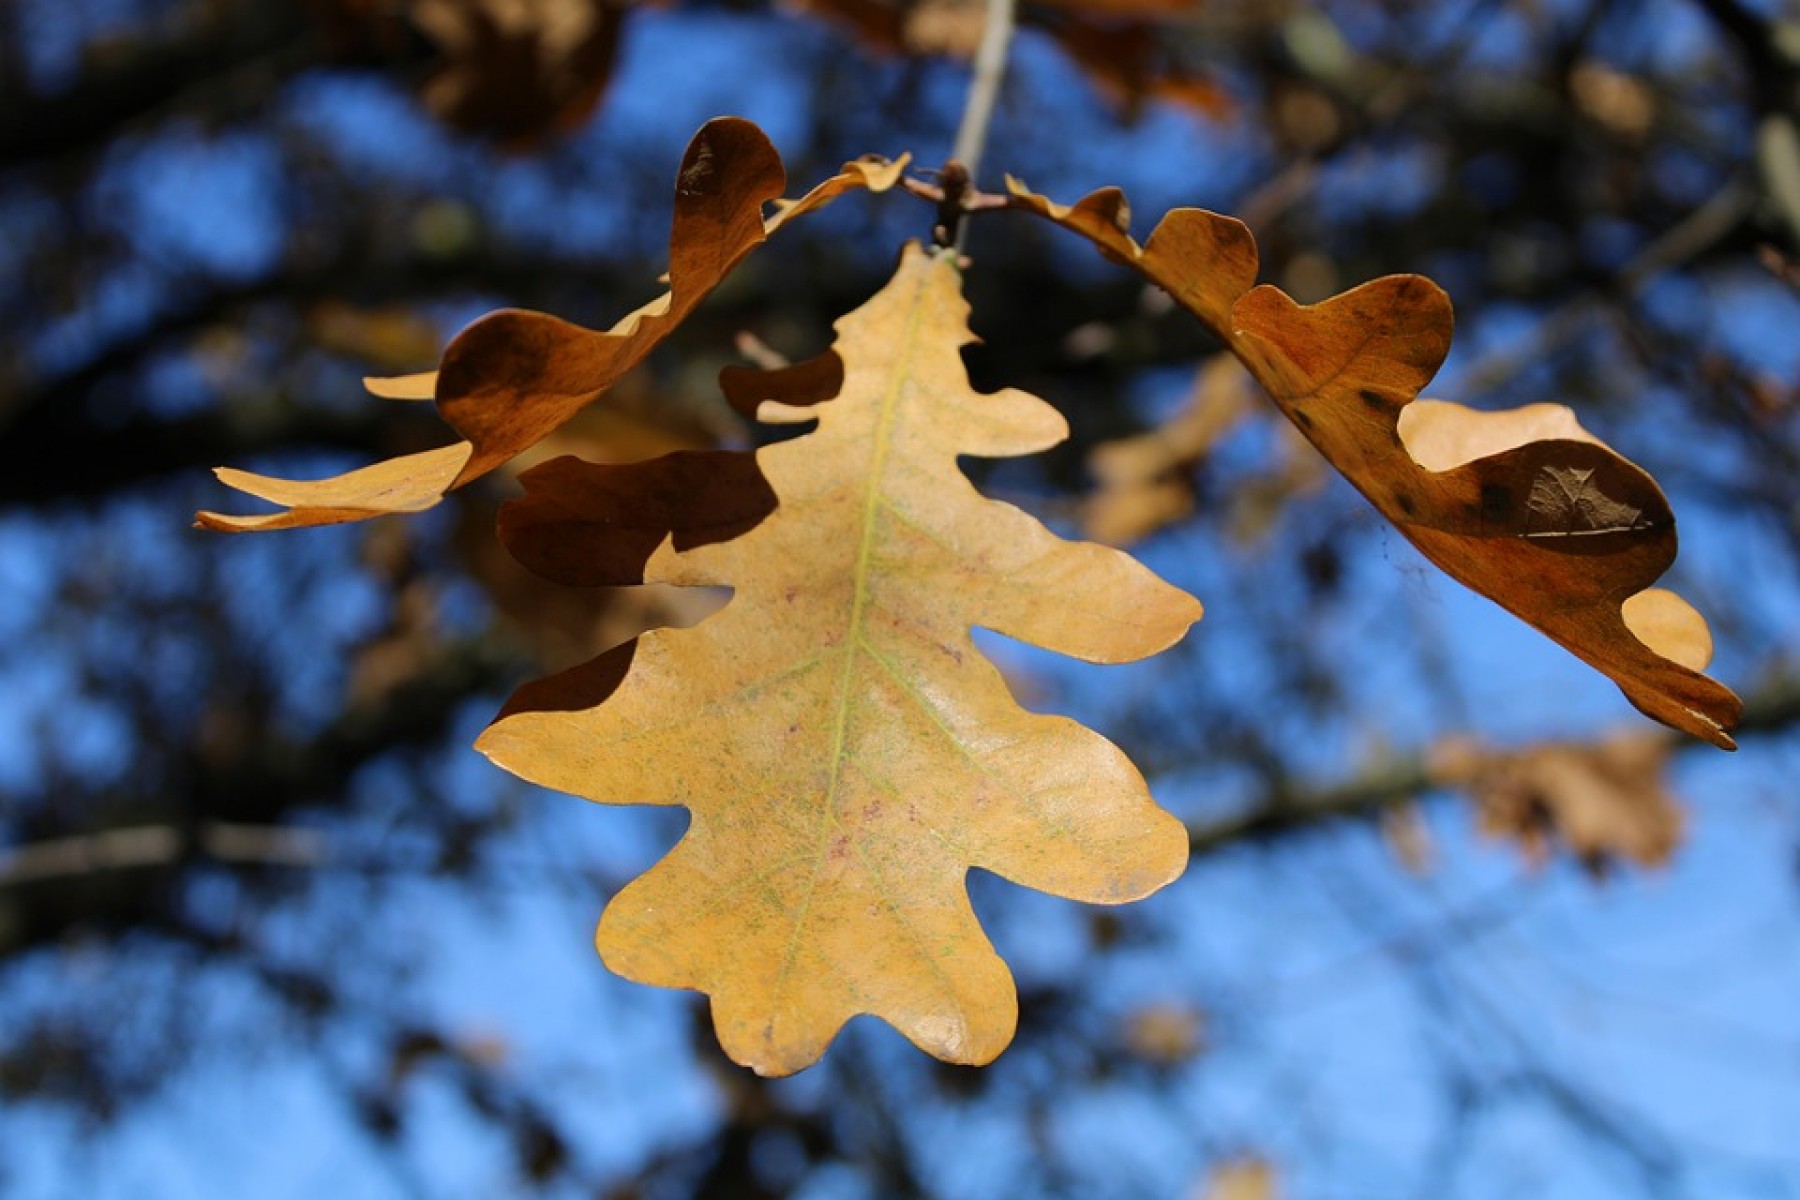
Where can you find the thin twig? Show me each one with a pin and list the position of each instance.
(990, 68)
(984, 91)
(1773, 709)
(159, 845)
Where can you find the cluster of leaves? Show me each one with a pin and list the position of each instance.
(845, 751)
(514, 70)
(521, 70)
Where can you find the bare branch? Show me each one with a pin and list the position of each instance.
(990, 68)
(159, 845)
(1774, 709)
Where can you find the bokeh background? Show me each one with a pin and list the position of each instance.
(1459, 922)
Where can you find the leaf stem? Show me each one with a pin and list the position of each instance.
(984, 90)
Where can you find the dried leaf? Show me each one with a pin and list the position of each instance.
(1205, 261)
(588, 525)
(392, 338)
(1118, 43)
(949, 27)
(871, 173)
(517, 70)
(410, 483)
(1525, 507)
(1256, 503)
(1145, 481)
(1165, 1034)
(1605, 800)
(1128, 62)
(1247, 1179)
(797, 386)
(514, 376)
(846, 753)
(396, 656)
(1624, 105)
(560, 625)
(422, 386)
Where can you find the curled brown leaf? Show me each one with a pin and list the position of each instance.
(1525, 508)
(513, 377)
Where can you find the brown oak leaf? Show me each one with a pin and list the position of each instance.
(1525, 508)
(1604, 800)
(517, 70)
(512, 377)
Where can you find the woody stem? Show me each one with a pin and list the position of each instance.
(990, 67)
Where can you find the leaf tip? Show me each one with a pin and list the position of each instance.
(422, 386)
(217, 522)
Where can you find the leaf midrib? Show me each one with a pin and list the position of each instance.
(828, 818)
(865, 550)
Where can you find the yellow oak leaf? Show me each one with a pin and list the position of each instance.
(1525, 507)
(845, 751)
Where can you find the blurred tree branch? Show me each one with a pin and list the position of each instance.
(230, 811)
(235, 51)
(281, 780)
(1774, 709)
